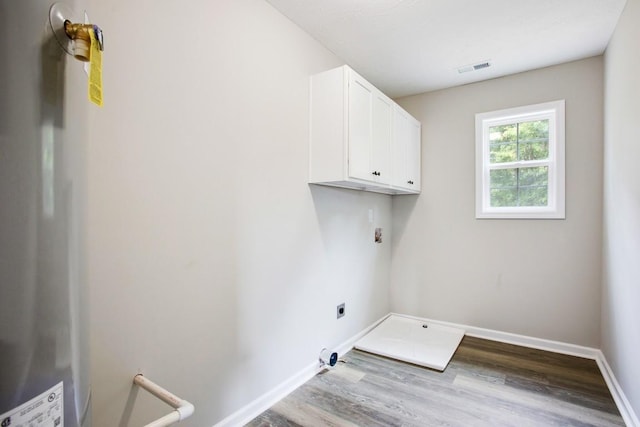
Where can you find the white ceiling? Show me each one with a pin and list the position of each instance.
(411, 46)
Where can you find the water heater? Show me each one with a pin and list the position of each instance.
(44, 357)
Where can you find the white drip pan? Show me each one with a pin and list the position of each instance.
(413, 341)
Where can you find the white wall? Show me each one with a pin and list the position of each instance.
(539, 278)
(214, 268)
(621, 284)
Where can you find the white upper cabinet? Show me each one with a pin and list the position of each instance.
(355, 141)
(382, 138)
(406, 150)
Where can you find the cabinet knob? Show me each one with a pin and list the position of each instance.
(376, 173)
(410, 182)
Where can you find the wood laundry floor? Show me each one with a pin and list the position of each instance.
(486, 384)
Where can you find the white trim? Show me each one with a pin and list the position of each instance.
(264, 402)
(270, 398)
(351, 342)
(521, 340)
(624, 406)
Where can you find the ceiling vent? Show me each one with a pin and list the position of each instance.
(474, 67)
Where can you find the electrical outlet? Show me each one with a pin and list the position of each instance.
(340, 310)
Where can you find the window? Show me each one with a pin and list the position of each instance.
(520, 162)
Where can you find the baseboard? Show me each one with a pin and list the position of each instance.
(624, 406)
(255, 408)
(521, 340)
(348, 344)
(628, 415)
(267, 400)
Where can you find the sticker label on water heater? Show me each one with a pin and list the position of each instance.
(44, 410)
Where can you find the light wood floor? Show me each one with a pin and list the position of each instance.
(485, 384)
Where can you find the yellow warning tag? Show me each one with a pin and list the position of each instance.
(95, 71)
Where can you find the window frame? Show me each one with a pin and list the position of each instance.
(554, 111)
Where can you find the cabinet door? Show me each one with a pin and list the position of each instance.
(413, 158)
(406, 151)
(381, 142)
(360, 123)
